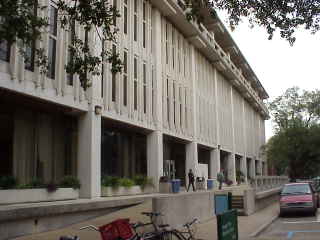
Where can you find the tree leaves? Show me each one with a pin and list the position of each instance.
(295, 145)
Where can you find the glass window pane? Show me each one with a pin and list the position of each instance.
(53, 13)
(4, 51)
(51, 58)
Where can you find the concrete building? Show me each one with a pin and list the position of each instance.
(186, 94)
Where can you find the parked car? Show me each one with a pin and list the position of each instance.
(298, 197)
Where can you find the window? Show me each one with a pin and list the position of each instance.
(179, 53)
(125, 16)
(30, 49)
(53, 12)
(173, 48)
(135, 19)
(168, 102)
(135, 84)
(125, 77)
(4, 51)
(151, 31)
(144, 25)
(114, 4)
(113, 77)
(186, 109)
(70, 54)
(174, 102)
(180, 106)
(167, 59)
(144, 88)
(153, 91)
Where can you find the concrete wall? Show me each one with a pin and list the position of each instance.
(256, 201)
(179, 209)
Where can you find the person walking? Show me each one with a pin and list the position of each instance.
(220, 178)
(191, 180)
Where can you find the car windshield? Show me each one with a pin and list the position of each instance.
(296, 189)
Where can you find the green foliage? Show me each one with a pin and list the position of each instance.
(95, 16)
(22, 22)
(36, 183)
(240, 176)
(282, 16)
(126, 182)
(7, 182)
(142, 180)
(70, 182)
(110, 181)
(294, 149)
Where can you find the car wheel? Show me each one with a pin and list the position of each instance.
(281, 214)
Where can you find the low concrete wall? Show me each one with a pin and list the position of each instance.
(254, 201)
(24, 219)
(178, 209)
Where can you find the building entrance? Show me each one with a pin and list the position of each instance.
(123, 151)
(176, 152)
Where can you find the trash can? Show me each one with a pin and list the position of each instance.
(175, 185)
(210, 184)
(200, 184)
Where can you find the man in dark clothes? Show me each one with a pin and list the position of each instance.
(191, 180)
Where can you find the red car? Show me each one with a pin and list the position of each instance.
(298, 197)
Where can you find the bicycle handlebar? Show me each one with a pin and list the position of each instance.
(90, 227)
(189, 224)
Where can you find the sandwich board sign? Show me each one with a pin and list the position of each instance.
(228, 225)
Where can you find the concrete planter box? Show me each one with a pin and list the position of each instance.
(125, 191)
(36, 195)
(165, 187)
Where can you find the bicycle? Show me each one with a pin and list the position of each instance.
(190, 232)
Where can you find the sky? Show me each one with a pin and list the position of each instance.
(278, 65)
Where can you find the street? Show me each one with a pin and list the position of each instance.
(293, 227)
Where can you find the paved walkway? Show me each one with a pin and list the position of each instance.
(206, 230)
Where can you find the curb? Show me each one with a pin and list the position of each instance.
(263, 227)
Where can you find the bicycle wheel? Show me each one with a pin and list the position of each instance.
(168, 235)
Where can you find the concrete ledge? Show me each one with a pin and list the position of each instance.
(37, 210)
(267, 193)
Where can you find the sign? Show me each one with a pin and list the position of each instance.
(228, 225)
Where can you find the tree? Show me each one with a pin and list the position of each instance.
(285, 16)
(294, 149)
(294, 107)
(22, 22)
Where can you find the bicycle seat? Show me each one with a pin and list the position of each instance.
(163, 225)
(69, 238)
(151, 214)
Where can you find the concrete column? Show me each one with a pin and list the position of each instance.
(253, 167)
(155, 156)
(232, 167)
(89, 148)
(244, 167)
(214, 162)
(158, 66)
(191, 158)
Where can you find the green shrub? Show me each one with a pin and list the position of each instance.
(140, 180)
(126, 182)
(36, 183)
(110, 181)
(70, 182)
(8, 182)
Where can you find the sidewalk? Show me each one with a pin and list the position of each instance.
(206, 230)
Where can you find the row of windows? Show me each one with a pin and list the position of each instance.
(145, 82)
